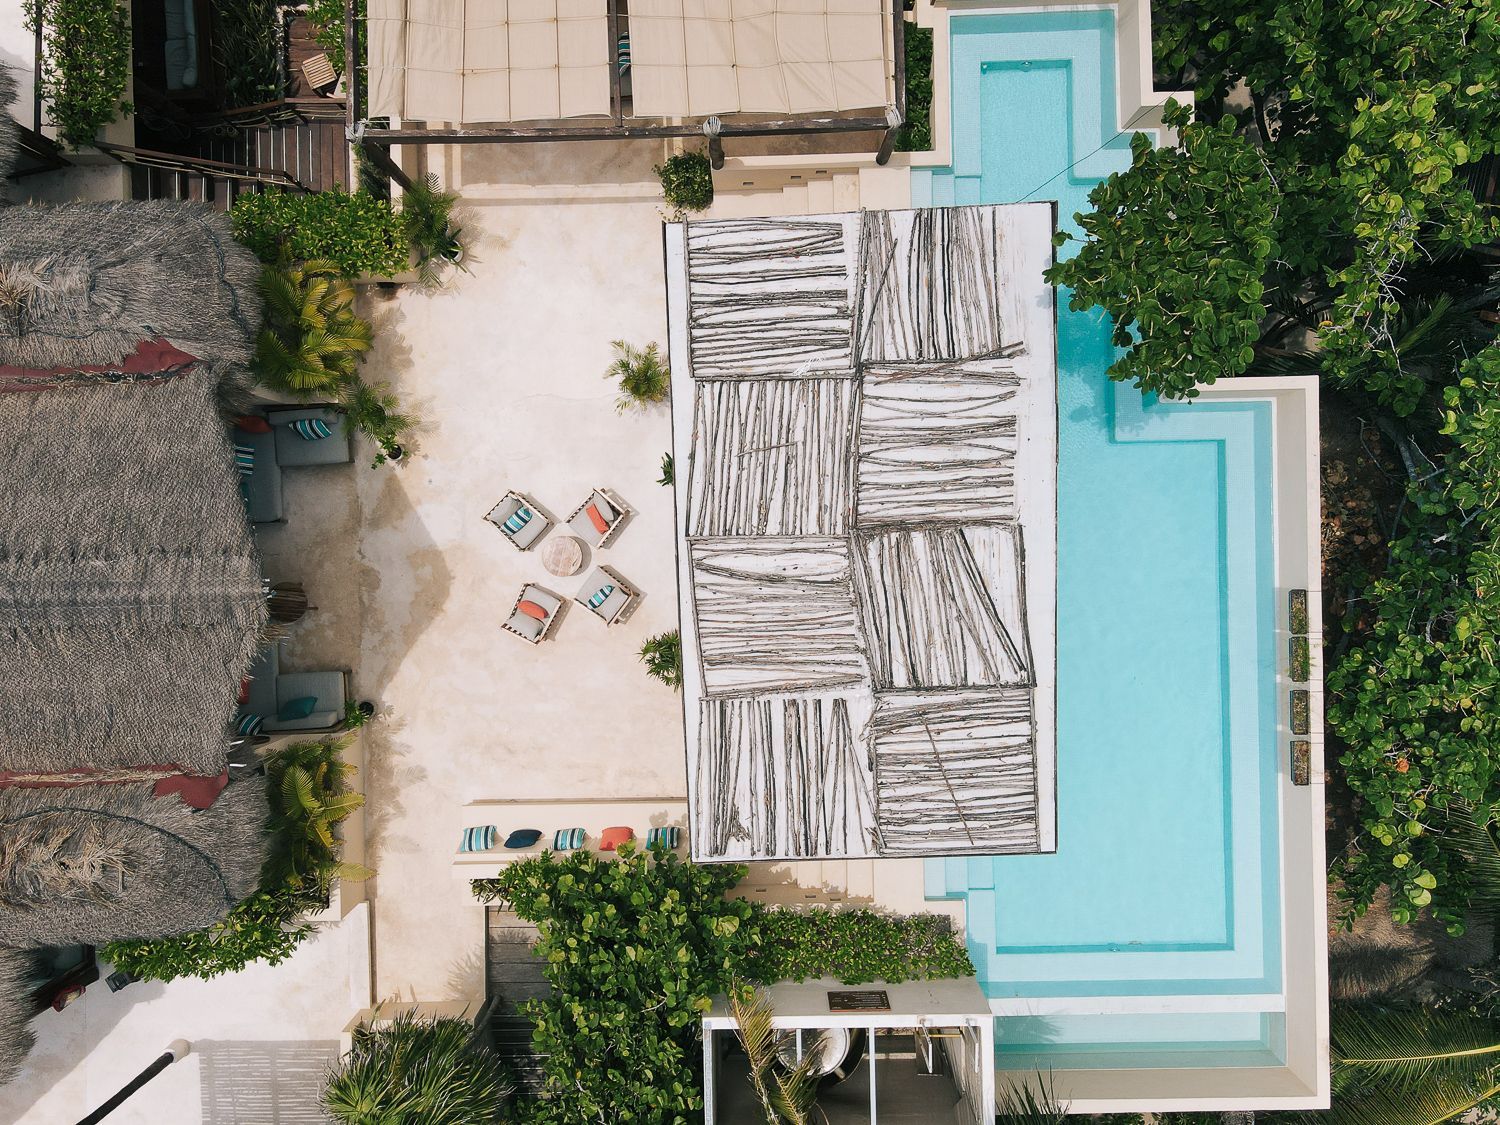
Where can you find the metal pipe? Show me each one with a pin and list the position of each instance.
(176, 1050)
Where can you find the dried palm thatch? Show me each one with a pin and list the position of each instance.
(130, 588)
(15, 1011)
(85, 283)
(103, 863)
(9, 144)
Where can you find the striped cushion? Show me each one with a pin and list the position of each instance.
(567, 839)
(624, 53)
(248, 723)
(668, 838)
(244, 458)
(310, 429)
(517, 520)
(601, 595)
(480, 839)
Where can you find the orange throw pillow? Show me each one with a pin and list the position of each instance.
(596, 519)
(531, 609)
(612, 838)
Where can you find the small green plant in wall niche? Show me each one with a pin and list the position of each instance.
(662, 656)
(687, 181)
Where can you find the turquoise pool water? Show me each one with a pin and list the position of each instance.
(1165, 881)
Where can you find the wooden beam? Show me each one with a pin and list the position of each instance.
(476, 135)
(616, 98)
(380, 156)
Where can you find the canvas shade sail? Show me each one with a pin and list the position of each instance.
(477, 61)
(692, 58)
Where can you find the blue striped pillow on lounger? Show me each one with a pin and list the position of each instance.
(601, 595)
(480, 839)
(311, 429)
(517, 520)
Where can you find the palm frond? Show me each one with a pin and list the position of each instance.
(1473, 837)
(1408, 1048)
(1028, 1105)
(1429, 1104)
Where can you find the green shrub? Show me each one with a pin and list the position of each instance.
(427, 223)
(687, 181)
(84, 64)
(662, 656)
(668, 471)
(359, 233)
(247, 51)
(371, 409)
(327, 19)
(644, 376)
(307, 796)
(311, 340)
(416, 1071)
(915, 135)
(855, 947)
(634, 950)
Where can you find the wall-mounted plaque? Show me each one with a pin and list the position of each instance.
(859, 1000)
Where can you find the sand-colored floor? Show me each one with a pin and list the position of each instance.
(506, 370)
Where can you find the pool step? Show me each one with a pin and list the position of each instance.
(813, 191)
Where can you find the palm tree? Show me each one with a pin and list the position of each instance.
(1410, 1065)
(787, 1097)
(311, 341)
(309, 797)
(662, 656)
(644, 376)
(417, 1071)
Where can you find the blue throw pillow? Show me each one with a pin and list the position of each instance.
(664, 837)
(601, 595)
(300, 708)
(567, 839)
(248, 723)
(310, 429)
(517, 520)
(522, 838)
(480, 839)
(244, 458)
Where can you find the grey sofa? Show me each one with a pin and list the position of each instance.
(282, 449)
(271, 689)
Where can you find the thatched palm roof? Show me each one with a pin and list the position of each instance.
(130, 588)
(85, 283)
(102, 863)
(15, 1011)
(9, 138)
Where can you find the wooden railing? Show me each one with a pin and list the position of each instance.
(214, 169)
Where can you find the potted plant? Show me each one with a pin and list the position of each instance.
(427, 219)
(644, 376)
(373, 410)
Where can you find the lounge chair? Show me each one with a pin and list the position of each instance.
(611, 512)
(527, 625)
(528, 527)
(271, 690)
(607, 596)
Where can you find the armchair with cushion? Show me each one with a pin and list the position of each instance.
(532, 616)
(519, 520)
(599, 519)
(607, 596)
(273, 693)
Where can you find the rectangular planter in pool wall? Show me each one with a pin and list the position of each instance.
(1296, 613)
(1301, 761)
(1301, 711)
(1299, 659)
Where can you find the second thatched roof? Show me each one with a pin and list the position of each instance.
(131, 600)
(85, 283)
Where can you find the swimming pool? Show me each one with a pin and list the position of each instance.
(1152, 936)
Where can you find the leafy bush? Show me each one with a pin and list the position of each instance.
(633, 949)
(311, 340)
(1412, 698)
(1175, 251)
(374, 411)
(84, 64)
(416, 1071)
(247, 51)
(855, 947)
(915, 134)
(644, 376)
(359, 233)
(327, 19)
(687, 181)
(308, 795)
(662, 656)
(427, 223)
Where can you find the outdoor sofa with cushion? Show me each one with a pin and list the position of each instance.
(511, 508)
(607, 596)
(532, 616)
(281, 448)
(599, 518)
(271, 690)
